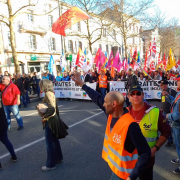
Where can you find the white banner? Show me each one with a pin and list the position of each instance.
(150, 88)
(70, 90)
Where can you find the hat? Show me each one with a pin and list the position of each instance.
(135, 88)
(103, 70)
(178, 78)
(163, 82)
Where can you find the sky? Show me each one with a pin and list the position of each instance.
(171, 7)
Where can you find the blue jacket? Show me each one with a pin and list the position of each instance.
(44, 77)
(66, 78)
(59, 78)
(174, 116)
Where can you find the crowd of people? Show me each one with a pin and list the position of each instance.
(128, 155)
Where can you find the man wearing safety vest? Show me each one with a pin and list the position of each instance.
(102, 79)
(125, 149)
(174, 118)
(150, 120)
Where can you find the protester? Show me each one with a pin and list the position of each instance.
(65, 77)
(151, 121)
(85, 77)
(11, 100)
(20, 85)
(174, 117)
(59, 77)
(93, 77)
(165, 105)
(45, 76)
(119, 135)
(35, 82)
(131, 81)
(172, 75)
(51, 125)
(26, 87)
(123, 76)
(141, 78)
(102, 79)
(3, 134)
(157, 76)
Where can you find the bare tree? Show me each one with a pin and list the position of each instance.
(95, 31)
(127, 16)
(167, 30)
(9, 20)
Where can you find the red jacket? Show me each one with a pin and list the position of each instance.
(9, 96)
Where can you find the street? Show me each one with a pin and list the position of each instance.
(81, 149)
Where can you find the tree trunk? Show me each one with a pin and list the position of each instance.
(14, 53)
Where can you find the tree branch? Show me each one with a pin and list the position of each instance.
(3, 2)
(23, 8)
(4, 22)
(37, 14)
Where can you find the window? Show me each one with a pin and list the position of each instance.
(9, 41)
(50, 21)
(107, 49)
(79, 44)
(104, 32)
(30, 16)
(52, 44)
(32, 41)
(100, 46)
(79, 26)
(70, 45)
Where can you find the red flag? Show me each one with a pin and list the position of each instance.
(145, 63)
(135, 54)
(70, 17)
(97, 57)
(159, 59)
(152, 66)
(80, 58)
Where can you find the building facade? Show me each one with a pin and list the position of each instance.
(35, 42)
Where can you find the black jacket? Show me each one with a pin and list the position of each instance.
(3, 119)
(26, 83)
(132, 80)
(19, 84)
(87, 78)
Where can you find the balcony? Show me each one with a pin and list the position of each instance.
(33, 28)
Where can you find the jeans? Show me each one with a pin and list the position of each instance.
(115, 177)
(23, 100)
(15, 110)
(170, 138)
(176, 134)
(103, 91)
(4, 139)
(27, 97)
(54, 152)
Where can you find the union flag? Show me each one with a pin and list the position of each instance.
(70, 17)
(80, 58)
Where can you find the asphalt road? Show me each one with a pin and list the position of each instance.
(81, 149)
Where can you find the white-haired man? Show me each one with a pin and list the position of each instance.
(11, 100)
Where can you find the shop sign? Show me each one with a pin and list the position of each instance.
(33, 57)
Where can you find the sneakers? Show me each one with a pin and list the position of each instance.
(177, 171)
(20, 128)
(0, 166)
(14, 159)
(169, 144)
(44, 168)
(175, 161)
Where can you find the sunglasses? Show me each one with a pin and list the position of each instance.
(133, 94)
